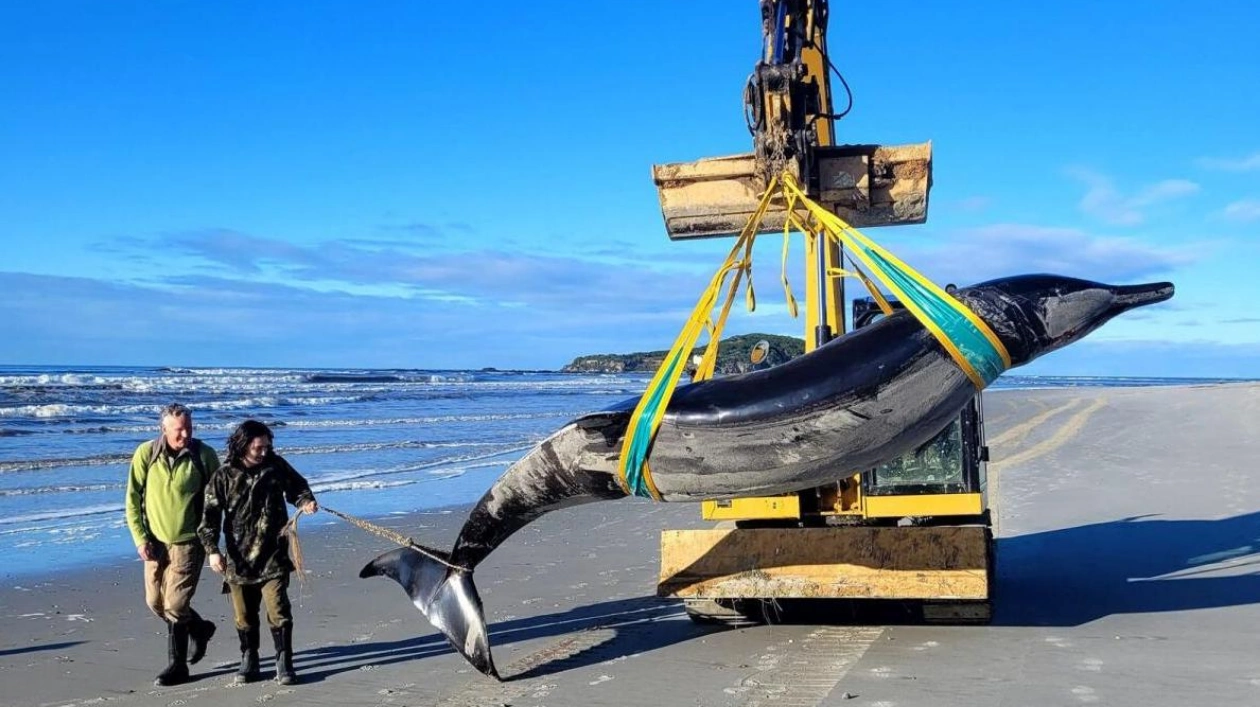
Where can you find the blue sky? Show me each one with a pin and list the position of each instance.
(390, 184)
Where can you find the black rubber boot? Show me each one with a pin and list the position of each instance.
(248, 671)
(200, 631)
(283, 638)
(177, 653)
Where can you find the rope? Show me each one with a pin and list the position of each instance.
(295, 546)
(390, 535)
(295, 553)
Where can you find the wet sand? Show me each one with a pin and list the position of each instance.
(1128, 522)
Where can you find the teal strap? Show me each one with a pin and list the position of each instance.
(636, 480)
(953, 324)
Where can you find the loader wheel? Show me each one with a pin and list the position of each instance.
(957, 613)
(724, 612)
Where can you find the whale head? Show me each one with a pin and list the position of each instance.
(1036, 314)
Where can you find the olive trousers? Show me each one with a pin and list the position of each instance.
(247, 599)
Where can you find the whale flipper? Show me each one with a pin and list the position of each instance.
(445, 595)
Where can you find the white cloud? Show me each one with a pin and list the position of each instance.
(1104, 201)
(1231, 164)
(1004, 249)
(238, 322)
(378, 303)
(1244, 210)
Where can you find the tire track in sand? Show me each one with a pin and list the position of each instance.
(1061, 436)
(1020, 432)
(1017, 433)
(793, 673)
(525, 677)
(804, 672)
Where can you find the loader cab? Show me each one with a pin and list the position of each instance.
(941, 482)
(951, 463)
(910, 539)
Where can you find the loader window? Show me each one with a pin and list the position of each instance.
(948, 463)
(936, 467)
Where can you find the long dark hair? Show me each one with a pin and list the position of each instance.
(238, 443)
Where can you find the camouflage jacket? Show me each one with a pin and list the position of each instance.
(248, 506)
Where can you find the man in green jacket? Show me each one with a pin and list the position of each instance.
(164, 502)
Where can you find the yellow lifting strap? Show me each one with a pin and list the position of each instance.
(967, 339)
(634, 475)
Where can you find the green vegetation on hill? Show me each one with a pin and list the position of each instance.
(733, 356)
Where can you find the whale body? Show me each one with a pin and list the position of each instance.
(858, 401)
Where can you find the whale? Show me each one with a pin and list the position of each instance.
(856, 402)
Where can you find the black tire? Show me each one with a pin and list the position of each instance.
(724, 612)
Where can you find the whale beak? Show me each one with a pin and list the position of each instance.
(1134, 296)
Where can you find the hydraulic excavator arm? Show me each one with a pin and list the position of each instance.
(788, 106)
(841, 540)
(787, 98)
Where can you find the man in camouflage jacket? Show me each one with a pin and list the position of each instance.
(245, 501)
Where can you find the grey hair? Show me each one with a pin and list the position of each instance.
(174, 410)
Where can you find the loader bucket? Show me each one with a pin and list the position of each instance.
(866, 185)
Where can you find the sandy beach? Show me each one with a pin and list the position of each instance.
(1127, 523)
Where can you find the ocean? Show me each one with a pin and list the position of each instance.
(371, 442)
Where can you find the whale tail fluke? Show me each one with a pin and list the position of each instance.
(445, 595)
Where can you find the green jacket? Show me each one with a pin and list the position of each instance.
(164, 503)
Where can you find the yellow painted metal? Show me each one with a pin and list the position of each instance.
(835, 295)
(846, 501)
(935, 504)
(854, 562)
(759, 507)
(814, 57)
(834, 312)
(842, 498)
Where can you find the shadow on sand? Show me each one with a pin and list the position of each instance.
(1076, 575)
(43, 647)
(600, 632)
(1072, 576)
(1063, 577)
